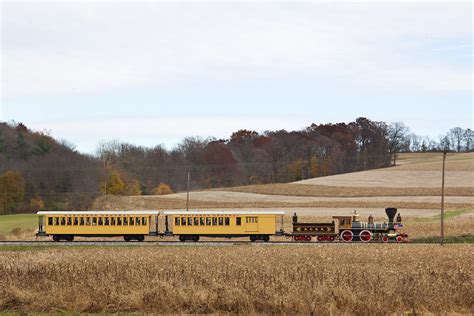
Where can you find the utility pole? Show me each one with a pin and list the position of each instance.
(187, 196)
(442, 199)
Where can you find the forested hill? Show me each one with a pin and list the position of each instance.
(39, 172)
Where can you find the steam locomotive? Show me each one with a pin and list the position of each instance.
(350, 228)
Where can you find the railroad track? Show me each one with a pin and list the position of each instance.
(184, 244)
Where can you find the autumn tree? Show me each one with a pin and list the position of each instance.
(314, 166)
(114, 184)
(162, 189)
(12, 191)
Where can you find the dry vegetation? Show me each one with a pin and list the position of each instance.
(162, 203)
(433, 162)
(295, 189)
(240, 279)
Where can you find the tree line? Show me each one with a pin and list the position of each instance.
(39, 172)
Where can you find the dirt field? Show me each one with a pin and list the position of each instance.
(414, 171)
(294, 189)
(396, 177)
(163, 203)
(228, 196)
(240, 279)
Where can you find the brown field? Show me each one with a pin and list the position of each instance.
(240, 279)
(412, 170)
(433, 161)
(215, 201)
(296, 189)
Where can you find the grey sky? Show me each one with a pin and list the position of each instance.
(154, 72)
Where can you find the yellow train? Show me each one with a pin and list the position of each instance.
(132, 225)
(192, 225)
(135, 225)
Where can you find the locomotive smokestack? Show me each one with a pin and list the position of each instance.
(295, 219)
(391, 212)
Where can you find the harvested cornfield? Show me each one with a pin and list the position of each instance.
(240, 279)
(295, 189)
(222, 199)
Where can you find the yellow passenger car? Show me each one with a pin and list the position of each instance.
(65, 225)
(192, 225)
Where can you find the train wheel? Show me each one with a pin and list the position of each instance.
(182, 238)
(308, 238)
(140, 238)
(126, 238)
(385, 239)
(195, 238)
(266, 238)
(55, 238)
(399, 239)
(69, 238)
(253, 238)
(320, 238)
(365, 236)
(347, 236)
(331, 238)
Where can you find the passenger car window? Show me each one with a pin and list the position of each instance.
(238, 221)
(81, 221)
(94, 221)
(196, 221)
(112, 221)
(183, 220)
(176, 221)
(101, 221)
(88, 221)
(125, 221)
(132, 221)
(63, 221)
(50, 221)
(227, 221)
(208, 221)
(214, 221)
(56, 221)
(190, 220)
(106, 221)
(75, 221)
(201, 221)
(221, 221)
(143, 220)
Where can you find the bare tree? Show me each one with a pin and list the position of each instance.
(397, 138)
(444, 142)
(468, 139)
(456, 136)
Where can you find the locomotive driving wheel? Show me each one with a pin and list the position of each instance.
(365, 236)
(347, 236)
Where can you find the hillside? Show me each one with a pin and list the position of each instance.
(418, 188)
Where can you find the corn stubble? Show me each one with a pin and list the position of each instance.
(360, 279)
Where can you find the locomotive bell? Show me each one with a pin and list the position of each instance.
(391, 212)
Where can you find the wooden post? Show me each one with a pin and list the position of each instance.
(187, 195)
(442, 199)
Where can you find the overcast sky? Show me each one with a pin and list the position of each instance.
(154, 72)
